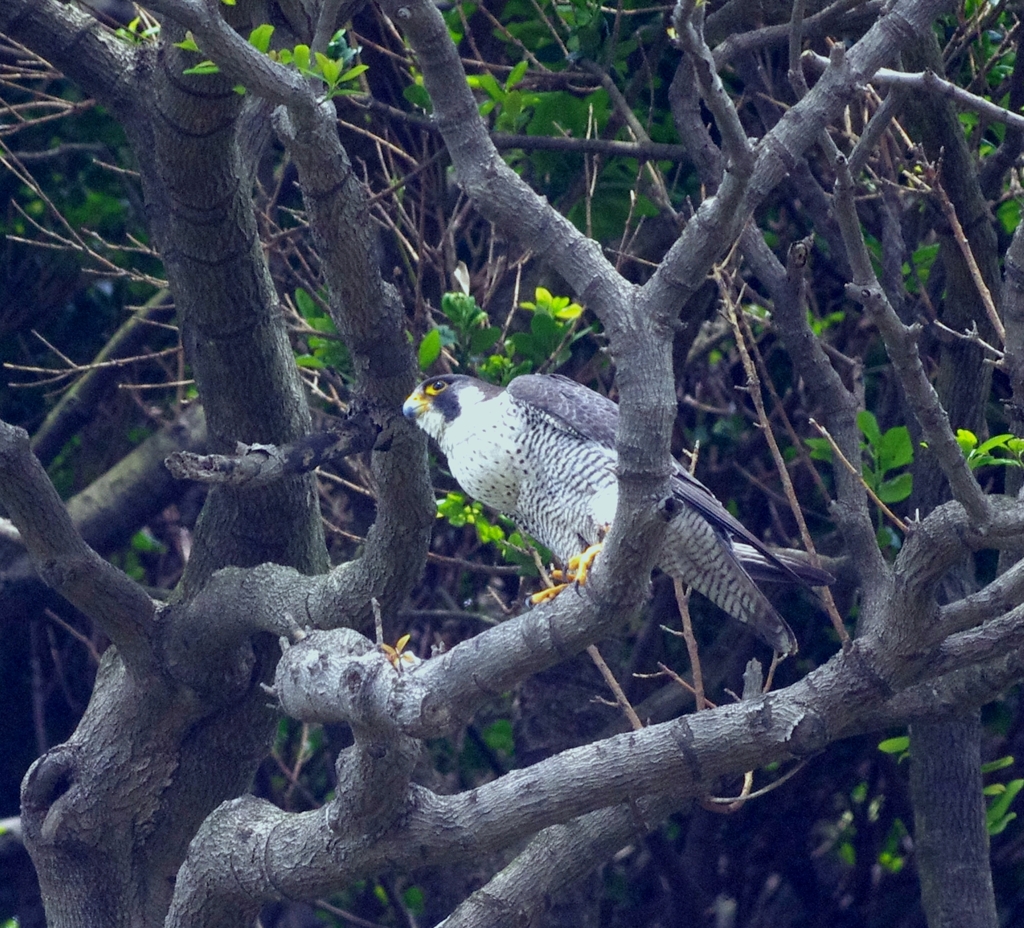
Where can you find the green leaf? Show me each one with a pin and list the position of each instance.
(144, 541)
(998, 826)
(820, 449)
(896, 489)
(487, 84)
(306, 305)
(922, 260)
(897, 745)
(189, 43)
(430, 349)
(511, 109)
(417, 95)
(482, 339)
(488, 533)
(415, 900)
(448, 336)
(546, 327)
(328, 68)
(352, 73)
(868, 425)
(996, 441)
(463, 312)
(516, 75)
(1009, 215)
(323, 323)
(339, 49)
(895, 449)
(966, 440)
(301, 54)
(891, 857)
(333, 353)
(204, 67)
(498, 736)
(893, 863)
(542, 299)
(1008, 450)
(259, 38)
(454, 508)
(1000, 764)
(997, 816)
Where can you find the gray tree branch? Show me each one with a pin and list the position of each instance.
(117, 604)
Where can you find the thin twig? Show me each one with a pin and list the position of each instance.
(777, 659)
(949, 211)
(895, 519)
(378, 621)
(671, 674)
(743, 335)
(728, 806)
(743, 797)
(74, 368)
(595, 655)
(971, 335)
(683, 602)
(930, 82)
(74, 633)
(613, 685)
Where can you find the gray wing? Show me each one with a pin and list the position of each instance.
(568, 405)
(574, 408)
(579, 409)
(690, 491)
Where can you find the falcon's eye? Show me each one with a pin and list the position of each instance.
(438, 386)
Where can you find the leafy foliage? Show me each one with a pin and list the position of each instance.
(326, 350)
(333, 68)
(542, 70)
(886, 452)
(458, 511)
(998, 451)
(471, 339)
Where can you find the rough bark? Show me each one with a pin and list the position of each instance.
(949, 824)
(956, 883)
(141, 818)
(152, 757)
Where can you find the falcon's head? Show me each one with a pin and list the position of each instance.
(438, 402)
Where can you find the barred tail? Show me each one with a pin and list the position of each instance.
(698, 555)
(784, 566)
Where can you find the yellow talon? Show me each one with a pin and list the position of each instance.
(579, 566)
(548, 593)
(576, 572)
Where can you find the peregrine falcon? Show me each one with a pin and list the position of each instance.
(542, 451)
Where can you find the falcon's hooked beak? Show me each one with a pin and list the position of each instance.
(416, 403)
(422, 407)
(421, 400)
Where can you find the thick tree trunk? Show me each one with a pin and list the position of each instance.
(949, 809)
(109, 814)
(950, 840)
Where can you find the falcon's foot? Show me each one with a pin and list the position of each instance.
(576, 572)
(580, 565)
(548, 593)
